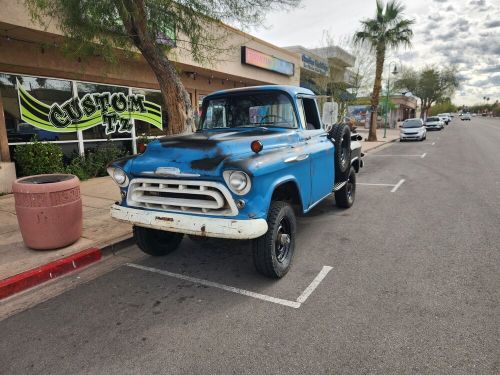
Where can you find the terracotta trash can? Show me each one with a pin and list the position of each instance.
(49, 210)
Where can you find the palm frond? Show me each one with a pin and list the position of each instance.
(393, 11)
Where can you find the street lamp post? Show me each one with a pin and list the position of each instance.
(395, 71)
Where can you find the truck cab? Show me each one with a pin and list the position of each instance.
(260, 155)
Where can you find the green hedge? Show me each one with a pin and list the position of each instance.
(41, 158)
(94, 163)
(38, 158)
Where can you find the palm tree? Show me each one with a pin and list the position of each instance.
(388, 29)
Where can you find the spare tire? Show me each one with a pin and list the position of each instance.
(341, 137)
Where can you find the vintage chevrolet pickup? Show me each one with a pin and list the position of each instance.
(260, 155)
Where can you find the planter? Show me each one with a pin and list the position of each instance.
(49, 210)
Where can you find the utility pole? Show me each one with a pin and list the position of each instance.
(395, 71)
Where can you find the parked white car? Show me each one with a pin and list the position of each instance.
(445, 117)
(434, 123)
(413, 128)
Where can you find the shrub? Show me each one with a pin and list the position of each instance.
(38, 158)
(95, 162)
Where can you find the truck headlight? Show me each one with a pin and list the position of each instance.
(238, 182)
(118, 175)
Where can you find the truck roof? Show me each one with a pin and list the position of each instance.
(291, 90)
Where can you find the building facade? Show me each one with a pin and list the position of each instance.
(35, 75)
(325, 70)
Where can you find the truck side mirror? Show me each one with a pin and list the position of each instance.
(329, 114)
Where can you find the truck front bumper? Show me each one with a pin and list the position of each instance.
(191, 224)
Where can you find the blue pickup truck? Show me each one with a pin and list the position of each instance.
(260, 155)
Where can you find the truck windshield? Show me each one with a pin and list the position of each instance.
(268, 109)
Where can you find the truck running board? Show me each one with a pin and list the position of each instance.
(339, 185)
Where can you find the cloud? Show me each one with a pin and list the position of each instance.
(492, 81)
(460, 24)
(436, 17)
(492, 24)
(490, 69)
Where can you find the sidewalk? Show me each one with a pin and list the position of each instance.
(99, 230)
(391, 136)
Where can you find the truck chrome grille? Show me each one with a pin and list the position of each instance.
(200, 197)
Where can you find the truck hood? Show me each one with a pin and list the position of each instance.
(206, 152)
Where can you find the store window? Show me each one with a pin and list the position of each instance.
(143, 129)
(98, 132)
(45, 90)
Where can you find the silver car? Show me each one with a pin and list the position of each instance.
(434, 123)
(413, 128)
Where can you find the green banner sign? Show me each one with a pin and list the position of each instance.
(114, 111)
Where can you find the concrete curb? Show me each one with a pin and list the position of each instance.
(383, 144)
(33, 277)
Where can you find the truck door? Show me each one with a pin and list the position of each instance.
(318, 148)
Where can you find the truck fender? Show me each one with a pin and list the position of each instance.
(290, 182)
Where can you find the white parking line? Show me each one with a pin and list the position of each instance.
(433, 143)
(394, 186)
(398, 185)
(415, 155)
(314, 284)
(369, 184)
(295, 304)
(423, 155)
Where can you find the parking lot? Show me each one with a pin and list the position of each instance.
(406, 281)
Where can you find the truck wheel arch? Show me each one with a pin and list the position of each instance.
(287, 191)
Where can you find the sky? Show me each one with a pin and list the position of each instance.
(463, 33)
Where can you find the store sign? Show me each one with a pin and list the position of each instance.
(315, 65)
(113, 111)
(264, 61)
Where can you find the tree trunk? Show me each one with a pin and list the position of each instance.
(175, 97)
(377, 86)
(4, 142)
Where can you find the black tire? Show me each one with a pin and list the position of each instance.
(344, 198)
(341, 135)
(273, 252)
(156, 242)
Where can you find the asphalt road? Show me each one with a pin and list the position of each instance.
(413, 289)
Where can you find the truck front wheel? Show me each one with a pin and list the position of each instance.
(273, 252)
(156, 242)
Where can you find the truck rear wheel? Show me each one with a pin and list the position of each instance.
(273, 252)
(156, 242)
(342, 141)
(344, 198)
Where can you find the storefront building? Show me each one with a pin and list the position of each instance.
(35, 74)
(322, 68)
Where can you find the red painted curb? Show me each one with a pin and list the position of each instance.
(35, 276)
